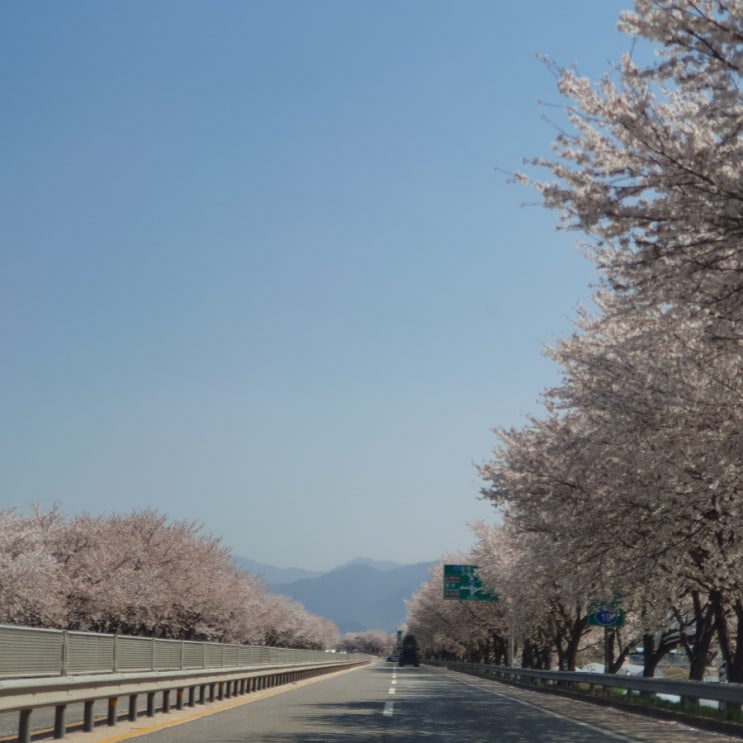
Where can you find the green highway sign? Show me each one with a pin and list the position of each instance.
(461, 583)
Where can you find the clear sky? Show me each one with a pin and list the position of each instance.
(259, 269)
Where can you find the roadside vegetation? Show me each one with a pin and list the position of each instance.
(373, 642)
(141, 574)
(627, 489)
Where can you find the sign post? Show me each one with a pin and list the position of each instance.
(609, 615)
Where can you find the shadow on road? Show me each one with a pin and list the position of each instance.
(428, 707)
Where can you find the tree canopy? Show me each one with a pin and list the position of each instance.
(141, 574)
(629, 483)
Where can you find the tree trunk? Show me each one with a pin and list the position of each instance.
(705, 627)
(652, 654)
(614, 640)
(567, 641)
(732, 654)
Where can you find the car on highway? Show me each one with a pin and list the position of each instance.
(409, 655)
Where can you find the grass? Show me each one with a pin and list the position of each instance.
(729, 714)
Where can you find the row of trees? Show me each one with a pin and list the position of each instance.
(541, 617)
(631, 482)
(373, 642)
(141, 574)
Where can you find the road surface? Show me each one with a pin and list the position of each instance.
(385, 704)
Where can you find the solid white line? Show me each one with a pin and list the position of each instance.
(604, 732)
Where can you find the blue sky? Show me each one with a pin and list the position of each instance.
(259, 269)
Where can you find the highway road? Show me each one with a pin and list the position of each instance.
(385, 704)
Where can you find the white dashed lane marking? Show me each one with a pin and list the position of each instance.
(389, 706)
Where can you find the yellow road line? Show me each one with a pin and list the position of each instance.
(213, 709)
(195, 716)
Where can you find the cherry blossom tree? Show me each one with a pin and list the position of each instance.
(286, 623)
(144, 574)
(650, 169)
(641, 445)
(374, 642)
(609, 482)
(672, 428)
(524, 611)
(30, 579)
(451, 629)
(630, 482)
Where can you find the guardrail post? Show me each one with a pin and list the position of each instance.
(64, 653)
(60, 724)
(24, 726)
(150, 704)
(88, 716)
(179, 699)
(113, 703)
(166, 700)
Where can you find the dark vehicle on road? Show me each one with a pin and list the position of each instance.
(409, 651)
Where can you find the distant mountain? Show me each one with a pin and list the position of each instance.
(358, 596)
(377, 564)
(272, 575)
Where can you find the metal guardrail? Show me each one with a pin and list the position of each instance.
(28, 652)
(52, 668)
(688, 691)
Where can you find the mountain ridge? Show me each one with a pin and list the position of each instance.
(360, 595)
(273, 575)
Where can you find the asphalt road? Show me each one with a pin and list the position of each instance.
(385, 704)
